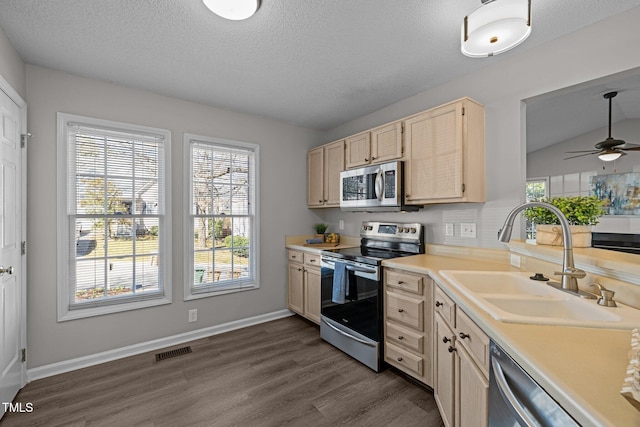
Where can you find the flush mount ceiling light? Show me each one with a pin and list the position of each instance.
(495, 27)
(235, 10)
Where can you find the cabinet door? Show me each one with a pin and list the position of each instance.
(315, 180)
(358, 152)
(434, 150)
(333, 165)
(296, 288)
(472, 397)
(312, 294)
(444, 374)
(386, 143)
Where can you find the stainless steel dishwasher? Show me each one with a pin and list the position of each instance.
(515, 399)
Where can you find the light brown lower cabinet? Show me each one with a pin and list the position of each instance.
(408, 323)
(304, 284)
(461, 366)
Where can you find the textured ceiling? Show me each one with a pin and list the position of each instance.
(313, 63)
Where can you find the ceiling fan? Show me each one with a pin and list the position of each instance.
(609, 149)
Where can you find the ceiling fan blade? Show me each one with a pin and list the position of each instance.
(583, 151)
(582, 155)
(633, 148)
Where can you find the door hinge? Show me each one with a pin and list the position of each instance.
(23, 248)
(24, 355)
(463, 111)
(23, 139)
(463, 187)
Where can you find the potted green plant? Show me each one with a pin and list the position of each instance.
(582, 212)
(320, 229)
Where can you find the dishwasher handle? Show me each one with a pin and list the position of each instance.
(518, 409)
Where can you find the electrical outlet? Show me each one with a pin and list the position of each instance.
(193, 315)
(448, 229)
(515, 260)
(341, 224)
(468, 229)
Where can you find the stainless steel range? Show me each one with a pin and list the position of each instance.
(352, 291)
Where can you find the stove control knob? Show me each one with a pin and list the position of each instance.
(370, 227)
(413, 230)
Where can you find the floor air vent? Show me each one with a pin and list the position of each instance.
(172, 353)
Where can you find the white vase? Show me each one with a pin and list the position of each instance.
(551, 234)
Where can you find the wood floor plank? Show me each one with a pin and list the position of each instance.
(278, 373)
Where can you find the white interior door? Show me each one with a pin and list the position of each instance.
(12, 370)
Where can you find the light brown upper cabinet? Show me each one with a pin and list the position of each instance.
(445, 152)
(386, 143)
(358, 150)
(378, 145)
(324, 165)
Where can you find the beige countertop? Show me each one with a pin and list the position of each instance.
(581, 368)
(298, 243)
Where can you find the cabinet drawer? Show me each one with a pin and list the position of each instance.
(473, 339)
(407, 282)
(405, 310)
(295, 256)
(403, 359)
(312, 260)
(405, 338)
(445, 306)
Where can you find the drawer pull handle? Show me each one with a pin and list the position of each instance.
(399, 359)
(312, 260)
(462, 335)
(299, 269)
(400, 337)
(439, 304)
(400, 310)
(293, 256)
(446, 340)
(451, 349)
(400, 282)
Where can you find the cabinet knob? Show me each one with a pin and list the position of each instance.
(373, 158)
(439, 304)
(446, 340)
(462, 335)
(399, 359)
(400, 282)
(312, 260)
(451, 349)
(400, 310)
(299, 269)
(319, 201)
(400, 337)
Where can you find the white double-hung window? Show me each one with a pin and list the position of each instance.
(113, 220)
(221, 226)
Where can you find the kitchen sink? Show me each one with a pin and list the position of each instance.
(513, 297)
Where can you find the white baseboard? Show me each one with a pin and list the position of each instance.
(118, 353)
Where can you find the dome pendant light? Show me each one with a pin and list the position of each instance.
(495, 27)
(235, 10)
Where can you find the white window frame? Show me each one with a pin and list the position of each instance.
(189, 273)
(64, 239)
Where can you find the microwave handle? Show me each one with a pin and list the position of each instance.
(379, 185)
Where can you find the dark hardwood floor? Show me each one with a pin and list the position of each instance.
(278, 373)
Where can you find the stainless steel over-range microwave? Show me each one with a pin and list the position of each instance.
(374, 188)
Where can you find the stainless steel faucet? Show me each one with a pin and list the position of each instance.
(570, 274)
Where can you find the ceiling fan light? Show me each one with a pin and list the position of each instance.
(495, 27)
(610, 155)
(235, 10)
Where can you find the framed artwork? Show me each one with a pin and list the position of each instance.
(620, 192)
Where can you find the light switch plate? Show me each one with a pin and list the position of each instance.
(193, 315)
(468, 229)
(448, 229)
(341, 224)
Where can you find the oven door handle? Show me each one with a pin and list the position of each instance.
(353, 267)
(348, 335)
(506, 392)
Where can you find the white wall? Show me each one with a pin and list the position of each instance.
(12, 68)
(281, 144)
(595, 51)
